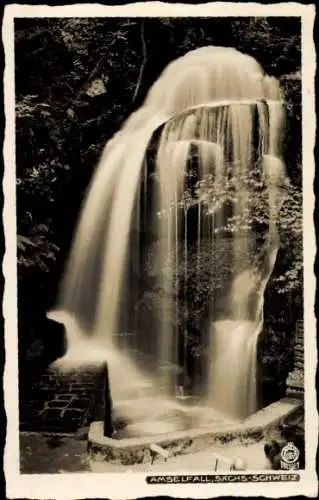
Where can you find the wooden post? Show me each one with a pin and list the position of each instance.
(108, 427)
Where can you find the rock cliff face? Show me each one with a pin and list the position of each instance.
(199, 293)
(198, 296)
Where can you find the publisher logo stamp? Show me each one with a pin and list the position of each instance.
(289, 457)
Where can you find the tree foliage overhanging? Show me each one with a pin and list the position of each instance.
(76, 81)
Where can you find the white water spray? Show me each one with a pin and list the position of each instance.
(218, 103)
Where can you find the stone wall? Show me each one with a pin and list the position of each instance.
(295, 380)
(62, 402)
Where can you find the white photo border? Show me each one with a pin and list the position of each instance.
(111, 485)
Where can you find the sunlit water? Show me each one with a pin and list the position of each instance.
(217, 104)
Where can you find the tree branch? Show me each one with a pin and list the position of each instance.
(140, 76)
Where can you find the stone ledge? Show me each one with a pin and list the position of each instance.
(130, 451)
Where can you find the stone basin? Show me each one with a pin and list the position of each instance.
(135, 449)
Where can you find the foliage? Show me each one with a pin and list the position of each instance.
(279, 35)
(36, 251)
(216, 196)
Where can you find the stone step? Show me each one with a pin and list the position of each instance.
(295, 379)
(295, 394)
(295, 384)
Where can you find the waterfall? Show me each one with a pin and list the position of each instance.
(218, 118)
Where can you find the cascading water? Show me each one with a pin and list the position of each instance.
(219, 121)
